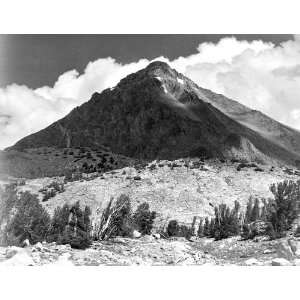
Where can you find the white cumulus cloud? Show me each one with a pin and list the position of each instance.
(258, 74)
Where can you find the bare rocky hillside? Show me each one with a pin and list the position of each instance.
(179, 189)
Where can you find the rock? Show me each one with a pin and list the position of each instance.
(284, 250)
(269, 251)
(12, 251)
(261, 238)
(193, 238)
(295, 246)
(25, 243)
(280, 262)
(252, 262)
(63, 260)
(156, 235)
(39, 246)
(136, 234)
(20, 257)
(147, 238)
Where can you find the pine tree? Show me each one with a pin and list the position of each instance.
(143, 218)
(173, 228)
(59, 221)
(255, 213)
(30, 221)
(249, 211)
(206, 228)
(286, 195)
(200, 232)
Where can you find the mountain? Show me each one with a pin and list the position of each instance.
(159, 113)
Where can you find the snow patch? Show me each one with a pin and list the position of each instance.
(159, 78)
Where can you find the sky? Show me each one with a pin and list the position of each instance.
(42, 77)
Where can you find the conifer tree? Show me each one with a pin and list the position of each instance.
(255, 213)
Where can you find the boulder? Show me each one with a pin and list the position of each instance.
(18, 257)
(252, 262)
(136, 234)
(269, 251)
(156, 235)
(280, 262)
(39, 246)
(25, 243)
(295, 246)
(284, 250)
(12, 251)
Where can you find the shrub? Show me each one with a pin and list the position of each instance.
(200, 232)
(48, 194)
(30, 221)
(115, 220)
(255, 213)
(58, 187)
(77, 231)
(143, 218)
(8, 200)
(173, 228)
(206, 227)
(59, 221)
(284, 210)
(226, 222)
(278, 214)
(71, 225)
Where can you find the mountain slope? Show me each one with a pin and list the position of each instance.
(159, 113)
(270, 129)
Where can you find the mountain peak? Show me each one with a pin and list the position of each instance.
(157, 64)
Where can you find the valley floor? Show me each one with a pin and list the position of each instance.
(161, 252)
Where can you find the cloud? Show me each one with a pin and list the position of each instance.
(258, 74)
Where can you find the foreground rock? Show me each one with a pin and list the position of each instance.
(151, 250)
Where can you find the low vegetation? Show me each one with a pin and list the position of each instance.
(51, 190)
(26, 218)
(118, 219)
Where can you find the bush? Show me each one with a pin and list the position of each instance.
(174, 229)
(226, 222)
(59, 221)
(143, 218)
(30, 221)
(115, 220)
(206, 227)
(284, 212)
(71, 225)
(47, 194)
(278, 214)
(8, 200)
(200, 232)
(77, 232)
(58, 187)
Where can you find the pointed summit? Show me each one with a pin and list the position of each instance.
(160, 68)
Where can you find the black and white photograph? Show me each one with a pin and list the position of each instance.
(147, 150)
(164, 150)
